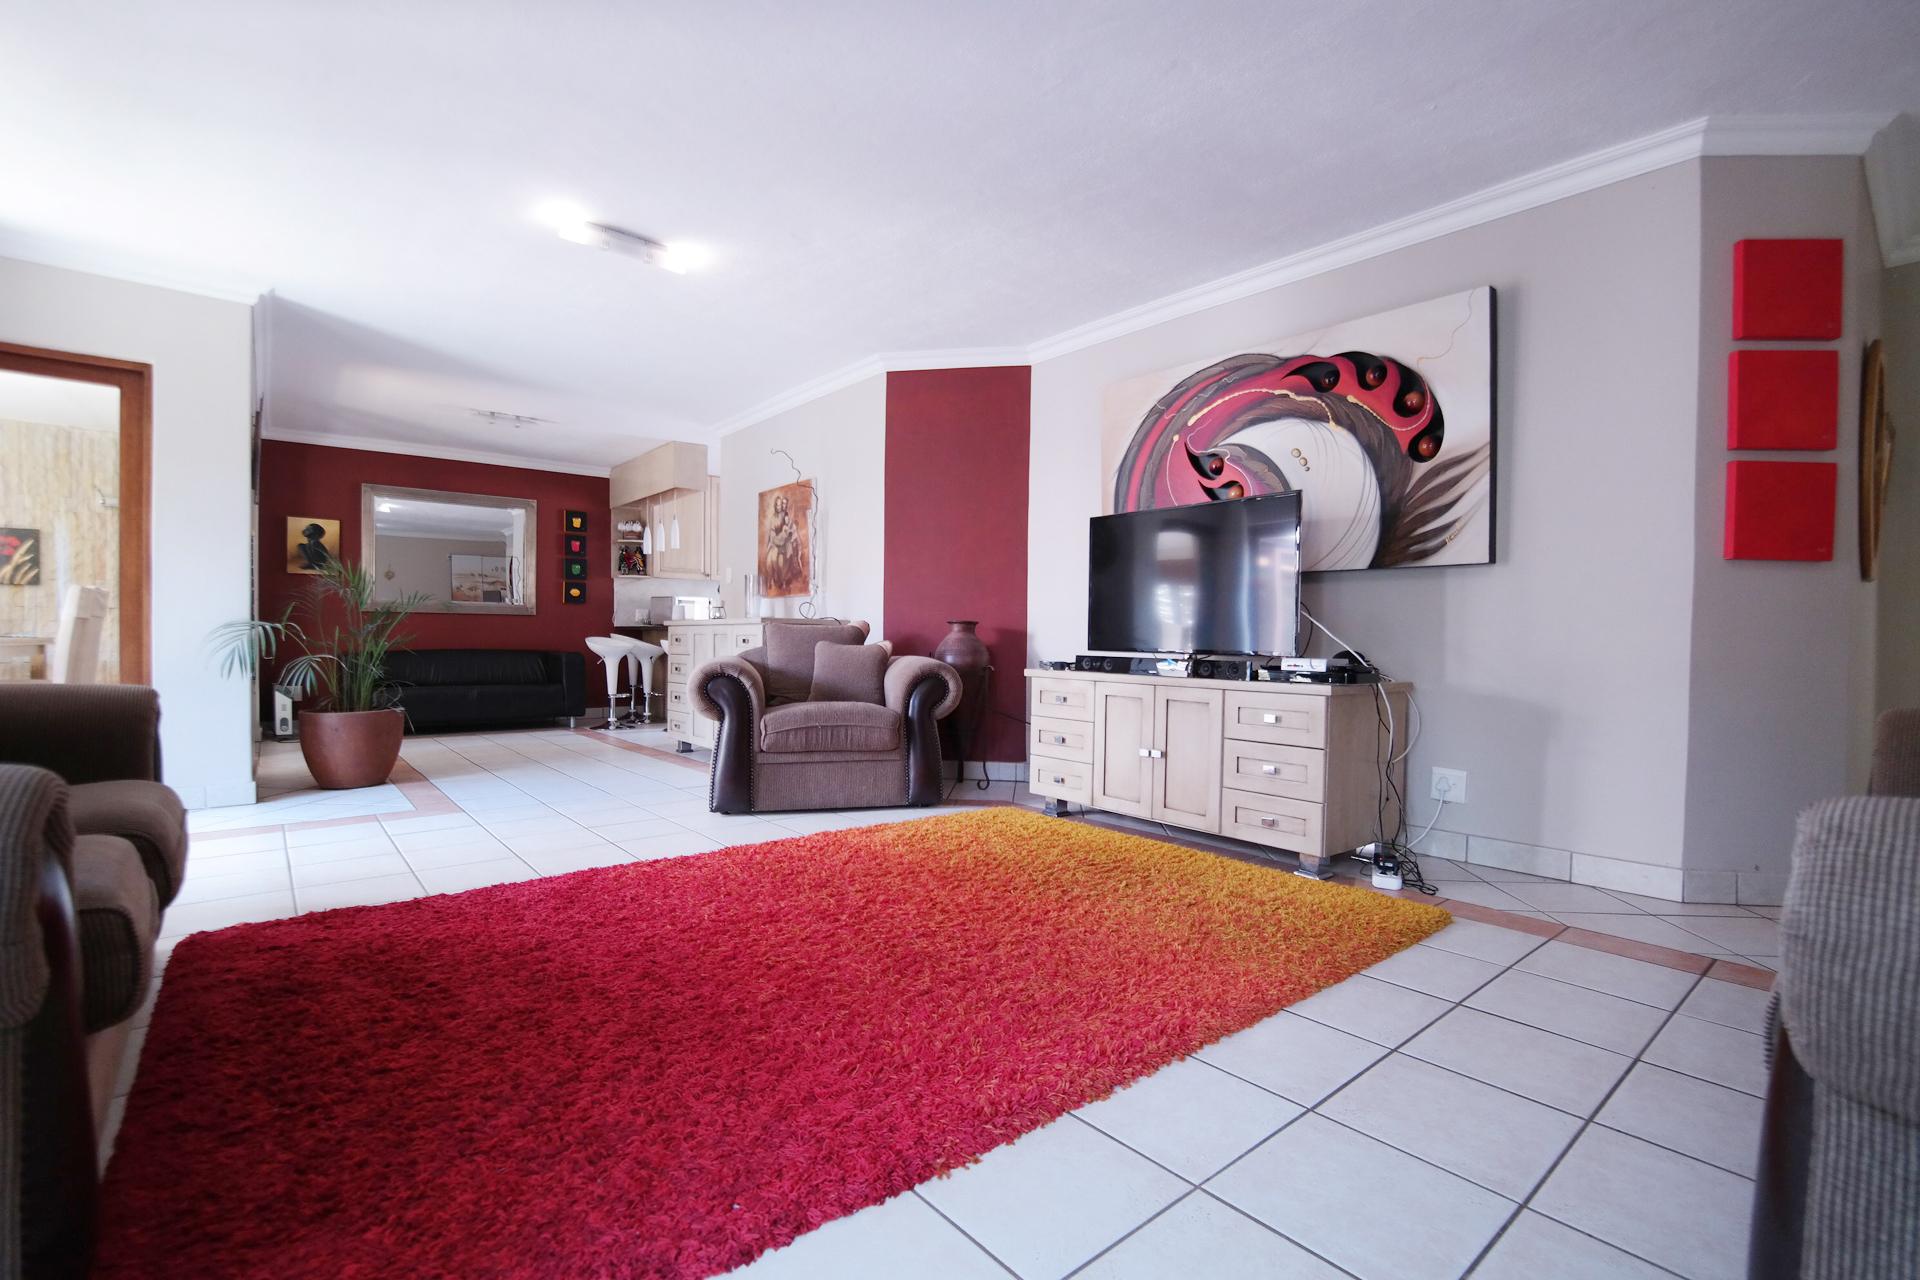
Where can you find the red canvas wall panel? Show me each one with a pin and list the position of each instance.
(1780, 510)
(1783, 399)
(956, 526)
(1787, 289)
(315, 481)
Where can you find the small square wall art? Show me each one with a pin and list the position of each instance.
(573, 591)
(1787, 289)
(1783, 399)
(575, 544)
(576, 522)
(573, 569)
(1780, 510)
(19, 557)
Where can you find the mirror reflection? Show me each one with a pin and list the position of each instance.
(467, 553)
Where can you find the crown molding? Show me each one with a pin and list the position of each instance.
(871, 367)
(446, 453)
(42, 251)
(1690, 140)
(1893, 181)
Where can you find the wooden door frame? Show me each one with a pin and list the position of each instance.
(135, 382)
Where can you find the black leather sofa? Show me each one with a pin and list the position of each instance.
(487, 688)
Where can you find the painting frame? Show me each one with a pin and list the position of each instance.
(309, 551)
(1395, 414)
(19, 557)
(784, 552)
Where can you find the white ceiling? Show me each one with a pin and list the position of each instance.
(873, 175)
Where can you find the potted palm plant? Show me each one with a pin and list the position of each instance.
(350, 732)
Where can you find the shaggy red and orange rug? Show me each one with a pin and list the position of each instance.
(665, 1068)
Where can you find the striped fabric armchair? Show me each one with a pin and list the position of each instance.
(1838, 1193)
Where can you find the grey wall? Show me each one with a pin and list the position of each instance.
(1898, 677)
(1558, 678)
(1782, 654)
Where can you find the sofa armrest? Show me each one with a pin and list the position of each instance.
(905, 672)
(735, 668)
(34, 830)
(568, 670)
(83, 732)
(1896, 754)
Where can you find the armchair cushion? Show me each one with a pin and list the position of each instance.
(789, 644)
(119, 914)
(147, 815)
(83, 732)
(849, 673)
(830, 726)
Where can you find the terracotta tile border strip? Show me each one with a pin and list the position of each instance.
(672, 757)
(1746, 975)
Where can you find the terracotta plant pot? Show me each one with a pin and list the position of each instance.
(351, 748)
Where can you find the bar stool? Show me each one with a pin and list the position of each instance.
(640, 659)
(611, 650)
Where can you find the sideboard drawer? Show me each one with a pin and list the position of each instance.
(1293, 825)
(678, 669)
(1298, 773)
(1063, 739)
(744, 638)
(677, 701)
(1060, 779)
(678, 642)
(1290, 719)
(1063, 699)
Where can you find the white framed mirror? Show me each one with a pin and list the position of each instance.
(466, 552)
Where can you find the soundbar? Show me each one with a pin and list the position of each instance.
(1121, 664)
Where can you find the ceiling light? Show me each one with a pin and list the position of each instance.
(500, 418)
(572, 223)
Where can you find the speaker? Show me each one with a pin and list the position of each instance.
(1222, 668)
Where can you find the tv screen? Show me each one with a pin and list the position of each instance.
(1217, 577)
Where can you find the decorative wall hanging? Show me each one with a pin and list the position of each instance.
(19, 557)
(575, 521)
(1780, 510)
(786, 540)
(1385, 425)
(311, 543)
(573, 544)
(1787, 289)
(573, 567)
(483, 579)
(1876, 456)
(1783, 399)
(573, 592)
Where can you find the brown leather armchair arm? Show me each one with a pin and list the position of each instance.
(923, 691)
(732, 691)
(83, 732)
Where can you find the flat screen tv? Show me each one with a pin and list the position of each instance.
(1217, 577)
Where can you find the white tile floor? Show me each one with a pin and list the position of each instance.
(1484, 1103)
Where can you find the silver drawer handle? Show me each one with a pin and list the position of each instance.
(1270, 768)
(1060, 698)
(1269, 822)
(1269, 718)
(1059, 738)
(1151, 754)
(1059, 781)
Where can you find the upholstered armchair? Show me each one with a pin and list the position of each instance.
(861, 732)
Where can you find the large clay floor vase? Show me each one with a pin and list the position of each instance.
(967, 654)
(351, 748)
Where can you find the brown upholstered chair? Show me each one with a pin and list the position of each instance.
(778, 748)
(92, 848)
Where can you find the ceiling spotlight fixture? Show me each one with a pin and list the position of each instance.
(500, 419)
(573, 224)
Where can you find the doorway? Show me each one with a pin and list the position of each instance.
(74, 499)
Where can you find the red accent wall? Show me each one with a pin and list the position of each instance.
(316, 481)
(956, 525)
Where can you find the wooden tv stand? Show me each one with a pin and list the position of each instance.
(1289, 766)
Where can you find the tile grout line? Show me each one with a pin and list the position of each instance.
(914, 1191)
(1526, 1202)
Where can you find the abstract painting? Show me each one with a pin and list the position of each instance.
(311, 543)
(19, 557)
(1384, 425)
(786, 540)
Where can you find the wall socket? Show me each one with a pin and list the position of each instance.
(1449, 785)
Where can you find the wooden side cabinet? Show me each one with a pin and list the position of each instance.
(1293, 767)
